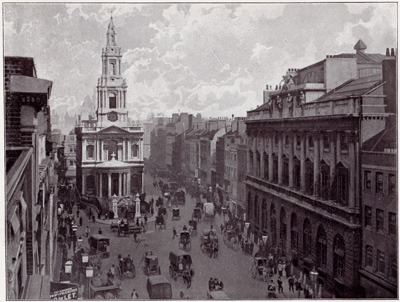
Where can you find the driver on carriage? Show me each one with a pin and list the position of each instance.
(185, 228)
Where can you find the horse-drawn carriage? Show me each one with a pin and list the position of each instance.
(196, 214)
(193, 227)
(216, 290)
(231, 237)
(209, 242)
(103, 289)
(158, 287)
(160, 221)
(260, 268)
(209, 210)
(162, 211)
(99, 245)
(151, 266)
(180, 265)
(126, 267)
(184, 239)
(176, 213)
(180, 197)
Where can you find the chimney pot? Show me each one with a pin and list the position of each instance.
(392, 53)
(387, 52)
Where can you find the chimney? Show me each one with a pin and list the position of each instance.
(389, 73)
(392, 53)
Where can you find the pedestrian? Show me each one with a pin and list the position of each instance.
(135, 236)
(112, 271)
(174, 234)
(94, 219)
(100, 231)
(152, 210)
(181, 295)
(271, 289)
(222, 228)
(280, 268)
(298, 286)
(145, 219)
(80, 221)
(291, 284)
(280, 287)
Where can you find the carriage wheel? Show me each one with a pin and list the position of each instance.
(254, 271)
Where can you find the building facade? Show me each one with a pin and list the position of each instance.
(70, 157)
(303, 181)
(109, 150)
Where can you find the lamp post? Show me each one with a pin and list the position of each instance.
(314, 277)
(89, 275)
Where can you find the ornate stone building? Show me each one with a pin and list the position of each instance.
(303, 181)
(109, 149)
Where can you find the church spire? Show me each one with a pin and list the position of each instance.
(111, 33)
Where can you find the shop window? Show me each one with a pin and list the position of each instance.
(379, 220)
(380, 261)
(368, 216)
(369, 254)
(379, 182)
(367, 180)
(392, 224)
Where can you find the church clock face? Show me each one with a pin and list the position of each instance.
(112, 116)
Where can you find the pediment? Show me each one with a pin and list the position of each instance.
(113, 130)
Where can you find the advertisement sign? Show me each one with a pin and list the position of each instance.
(63, 291)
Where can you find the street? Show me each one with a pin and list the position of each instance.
(231, 266)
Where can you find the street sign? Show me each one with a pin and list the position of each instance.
(63, 291)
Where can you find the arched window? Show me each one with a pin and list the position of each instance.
(264, 214)
(275, 168)
(135, 150)
(266, 166)
(294, 237)
(342, 182)
(285, 171)
(296, 173)
(258, 163)
(283, 229)
(251, 159)
(325, 180)
(338, 256)
(306, 238)
(309, 177)
(112, 100)
(90, 151)
(273, 224)
(321, 247)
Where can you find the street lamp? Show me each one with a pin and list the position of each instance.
(85, 258)
(68, 267)
(89, 275)
(246, 228)
(314, 277)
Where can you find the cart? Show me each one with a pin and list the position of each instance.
(99, 244)
(260, 268)
(192, 227)
(180, 265)
(158, 287)
(160, 221)
(175, 214)
(107, 290)
(184, 239)
(196, 214)
(209, 242)
(151, 266)
(127, 268)
(217, 295)
(209, 210)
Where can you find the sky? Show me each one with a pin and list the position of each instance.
(213, 59)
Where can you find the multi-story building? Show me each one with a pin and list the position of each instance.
(31, 183)
(70, 157)
(303, 164)
(378, 273)
(109, 149)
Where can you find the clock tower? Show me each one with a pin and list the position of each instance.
(111, 87)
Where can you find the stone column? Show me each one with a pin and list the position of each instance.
(316, 163)
(280, 158)
(101, 185)
(291, 155)
(129, 183)
(119, 184)
(333, 152)
(352, 174)
(270, 159)
(83, 183)
(109, 185)
(302, 163)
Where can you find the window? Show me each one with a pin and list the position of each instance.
(307, 238)
(338, 256)
(309, 177)
(392, 184)
(251, 168)
(250, 206)
(287, 142)
(90, 151)
(264, 214)
(310, 142)
(368, 216)
(325, 179)
(326, 143)
(112, 101)
(392, 223)
(321, 247)
(276, 140)
(266, 166)
(379, 182)
(283, 230)
(275, 168)
(369, 253)
(379, 220)
(367, 180)
(296, 173)
(298, 141)
(393, 266)
(342, 184)
(344, 143)
(258, 163)
(380, 260)
(135, 150)
(256, 216)
(273, 224)
(285, 171)
(293, 232)
(71, 162)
